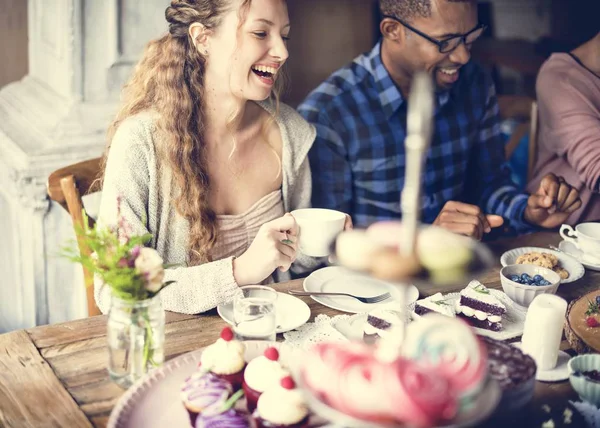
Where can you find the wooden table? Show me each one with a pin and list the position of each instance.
(55, 375)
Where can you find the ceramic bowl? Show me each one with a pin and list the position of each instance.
(523, 294)
(587, 389)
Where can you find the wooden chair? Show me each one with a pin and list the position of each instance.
(525, 109)
(66, 186)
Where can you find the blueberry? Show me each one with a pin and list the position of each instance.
(598, 300)
(525, 277)
(516, 278)
(544, 282)
(538, 278)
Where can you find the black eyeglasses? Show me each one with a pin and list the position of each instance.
(449, 44)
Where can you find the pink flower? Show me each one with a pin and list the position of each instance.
(150, 265)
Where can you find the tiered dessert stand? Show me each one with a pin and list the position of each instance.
(419, 125)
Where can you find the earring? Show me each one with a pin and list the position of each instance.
(206, 52)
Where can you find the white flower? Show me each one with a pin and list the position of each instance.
(150, 265)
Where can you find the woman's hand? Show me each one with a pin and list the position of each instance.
(274, 246)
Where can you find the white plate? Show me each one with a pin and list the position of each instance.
(513, 321)
(337, 279)
(570, 264)
(291, 312)
(572, 250)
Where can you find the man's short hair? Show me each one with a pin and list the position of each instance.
(409, 9)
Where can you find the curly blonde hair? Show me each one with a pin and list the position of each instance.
(169, 79)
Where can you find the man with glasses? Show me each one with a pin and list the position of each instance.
(358, 158)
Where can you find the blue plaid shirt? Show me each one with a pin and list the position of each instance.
(358, 159)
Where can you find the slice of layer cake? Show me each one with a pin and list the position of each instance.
(436, 303)
(379, 324)
(480, 307)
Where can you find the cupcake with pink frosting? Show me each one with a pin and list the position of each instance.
(202, 391)
(225, 359)
(262, 373)
(449, 347)
(351, 379)
(282, 406)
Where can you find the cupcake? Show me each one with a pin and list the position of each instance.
(282, 406)
(224, 416)
(262, 373)
(449, 348)
(202, 391)
(350, 378)
(225, 359)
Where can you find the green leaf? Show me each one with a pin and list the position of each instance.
(232, 400)
(480, 288)
(593, 308)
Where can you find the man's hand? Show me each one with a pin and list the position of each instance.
(552, 204)
(467, 220)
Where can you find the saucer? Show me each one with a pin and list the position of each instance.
(557, 374)
(572, 250)
(291, 312)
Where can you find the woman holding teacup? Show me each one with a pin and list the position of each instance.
(204, 157)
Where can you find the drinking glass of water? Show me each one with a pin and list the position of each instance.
(254, 313)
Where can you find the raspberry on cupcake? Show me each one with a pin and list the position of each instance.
(202, 391)
(282, 406)
(225, 359)
(262, 373)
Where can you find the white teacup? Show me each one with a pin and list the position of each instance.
(585, 236)
(318, 229)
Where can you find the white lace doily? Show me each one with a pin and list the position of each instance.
(590, 413)
(322, 330)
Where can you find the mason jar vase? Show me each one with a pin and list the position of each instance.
(136, 336)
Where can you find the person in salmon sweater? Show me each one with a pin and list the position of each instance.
(568, 92)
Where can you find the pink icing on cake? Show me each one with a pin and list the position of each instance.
(349, 378)
(448, 346)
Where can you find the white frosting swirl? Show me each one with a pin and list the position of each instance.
(282, 406)
(474, 313)
(223, 358)
(262, 374)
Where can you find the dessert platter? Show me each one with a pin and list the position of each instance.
(267, 384)
(567, 267)
(582, 326)
(185, 392)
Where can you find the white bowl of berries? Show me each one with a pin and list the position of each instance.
(522, 283)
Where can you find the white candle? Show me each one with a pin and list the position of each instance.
(543, 329)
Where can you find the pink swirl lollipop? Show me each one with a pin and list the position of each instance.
(449, 347)
(350, 379)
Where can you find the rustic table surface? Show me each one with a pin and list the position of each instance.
(55, 375)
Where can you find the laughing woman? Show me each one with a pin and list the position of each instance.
(204, 157)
